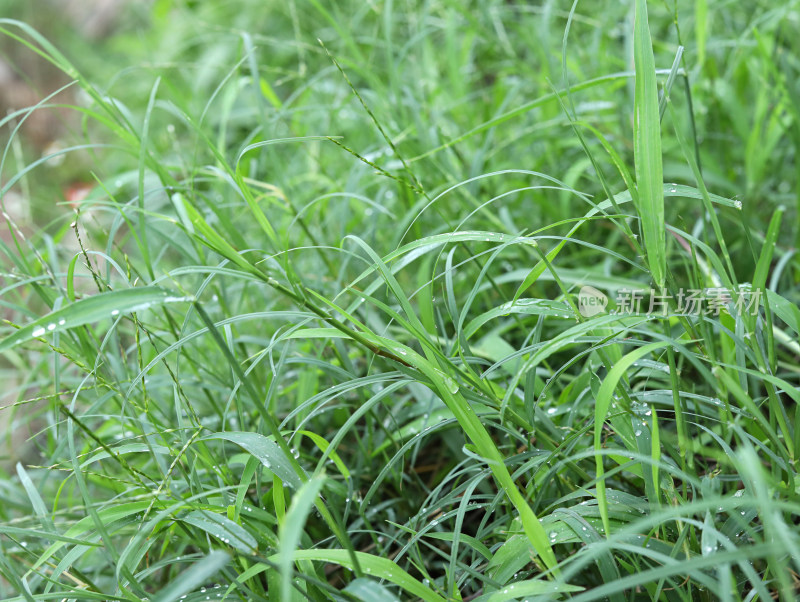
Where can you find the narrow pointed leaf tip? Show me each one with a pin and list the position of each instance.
(91, 309)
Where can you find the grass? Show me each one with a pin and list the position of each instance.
(317, 331)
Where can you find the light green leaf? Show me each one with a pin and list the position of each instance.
(224, 529)
(647, 148)
(291, 530)
(368, 590)
(602, 405)
(374, 566)
(530, 587)
(266, 450)
(91, 309)
(199, 573)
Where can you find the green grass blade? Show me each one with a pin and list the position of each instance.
(268, 453)
(647, 148)
(602, 405)
(291, 529)
(373, 566)
(199, 573)
(367, 590)
(222, 528)
(91, 309)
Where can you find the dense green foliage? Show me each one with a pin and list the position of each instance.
(317, 332)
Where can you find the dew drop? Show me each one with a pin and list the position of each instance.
(51, 327)
(452, 385)
(115, 312)
(38, 332)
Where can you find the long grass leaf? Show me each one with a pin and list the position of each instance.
(647, 148)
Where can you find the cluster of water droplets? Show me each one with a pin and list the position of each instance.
(643, 413)
(38, 332)
(210, 593)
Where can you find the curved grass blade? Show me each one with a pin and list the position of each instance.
(198, 574)
(368, 590)
(602, 405)
(224, 529)
(374, 566)
(292, 528)
(529, 587)
(91, 309)
(267, 451)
